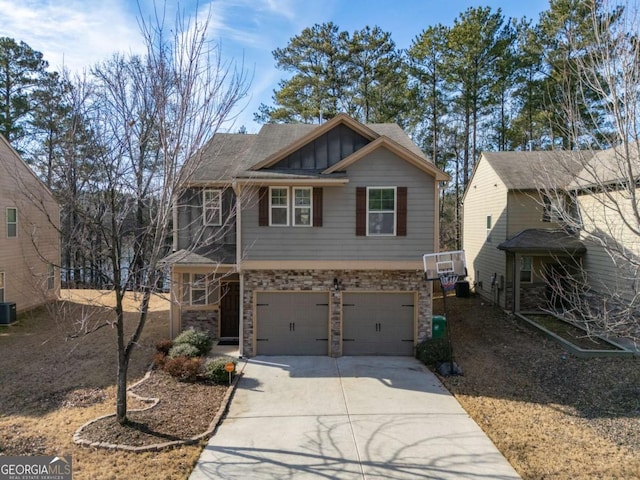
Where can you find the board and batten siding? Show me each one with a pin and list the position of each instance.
(602, 272)
(25, 259)
(486, 195)
(336, 239)
(192, 232)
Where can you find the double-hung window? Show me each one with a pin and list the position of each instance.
(212, 207)
(381, 211)
(526, 273)
(279, 206)
(12, 222)
(302, 203)
(1, 286)
(199, 289)
(51, 276)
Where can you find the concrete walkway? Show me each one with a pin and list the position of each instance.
(346, 418)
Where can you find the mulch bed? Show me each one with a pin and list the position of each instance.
(185, 410)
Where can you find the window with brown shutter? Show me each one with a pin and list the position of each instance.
(401, 219)
(361, 211)
(263, 207)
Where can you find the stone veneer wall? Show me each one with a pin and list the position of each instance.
(322, 281)
(204, 320)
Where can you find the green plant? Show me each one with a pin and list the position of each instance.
(214, 369)
(183, 368)
(433, 350)
(183, 350)
(199, 339)
(163, 346)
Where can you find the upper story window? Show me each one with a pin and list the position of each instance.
(212, 207)
(51, 276)
(302, 206)
(12, 222)
(279, 206)
(489, 227)
(1, 286)
(381, 210)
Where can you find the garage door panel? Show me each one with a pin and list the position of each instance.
(291, 323)
(378, 324)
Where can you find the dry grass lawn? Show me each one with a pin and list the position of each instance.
(51, 384)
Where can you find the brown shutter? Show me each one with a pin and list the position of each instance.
(361, 211)
(317, 207)
(263, 206)
(401, 220)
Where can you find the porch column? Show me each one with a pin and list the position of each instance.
(517, 266)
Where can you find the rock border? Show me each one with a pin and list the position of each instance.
(77, 436)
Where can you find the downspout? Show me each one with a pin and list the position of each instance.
(238, 191)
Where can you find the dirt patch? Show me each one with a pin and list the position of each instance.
(551, 414)
(185, 410)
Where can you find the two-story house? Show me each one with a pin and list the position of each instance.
(307, 239)
(29, 234)
(512, 235)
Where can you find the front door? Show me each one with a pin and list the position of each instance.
(230, 310)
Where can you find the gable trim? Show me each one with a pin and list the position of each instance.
(394, 147)
(341, 118)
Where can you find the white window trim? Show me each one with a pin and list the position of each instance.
(217, 193)
(51, 276)
(489, 225)
(271, 207)
(395, 211)
(294, 207)
(11, 223)
(211, 291)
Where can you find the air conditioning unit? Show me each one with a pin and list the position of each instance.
(7, 313)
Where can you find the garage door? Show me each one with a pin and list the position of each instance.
(292, 323)
(377, 323)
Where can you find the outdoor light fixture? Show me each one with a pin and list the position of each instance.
(336, 284)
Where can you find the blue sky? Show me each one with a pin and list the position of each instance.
(79, 33)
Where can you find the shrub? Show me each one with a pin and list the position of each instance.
(163, 346)
(214, 369)
(158, 359)
(433, 350)
(197, 338)
(183, 350)
(183, 368)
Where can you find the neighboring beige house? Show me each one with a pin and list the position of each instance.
(307, 240)
(511, 238)
(29, 234)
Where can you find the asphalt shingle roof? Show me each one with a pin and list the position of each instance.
(540, 240)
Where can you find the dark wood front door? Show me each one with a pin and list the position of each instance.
(230, 310)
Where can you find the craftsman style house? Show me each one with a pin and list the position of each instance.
(29, 234)
(307, 239)
(512, 237)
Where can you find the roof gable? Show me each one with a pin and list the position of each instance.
(341, 119)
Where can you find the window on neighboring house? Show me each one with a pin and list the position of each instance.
(51, 277)
(302, 206)
(552, 209)
(212, 207)
(12, 222)
(489, 226)
(526, 274)
(1, 286)
(279, 206)
(199, 289)
(381, 210)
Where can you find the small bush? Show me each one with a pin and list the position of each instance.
(183, 368)
(197, 338)
(214, 369)
(163, 346)
(183, 350)
(433, 350)
(158, 359)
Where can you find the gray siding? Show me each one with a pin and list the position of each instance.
(192, 233)
(336, 239)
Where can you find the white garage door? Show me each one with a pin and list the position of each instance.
(378, 323)
(292, 323)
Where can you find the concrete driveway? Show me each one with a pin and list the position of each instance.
(346, 418)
